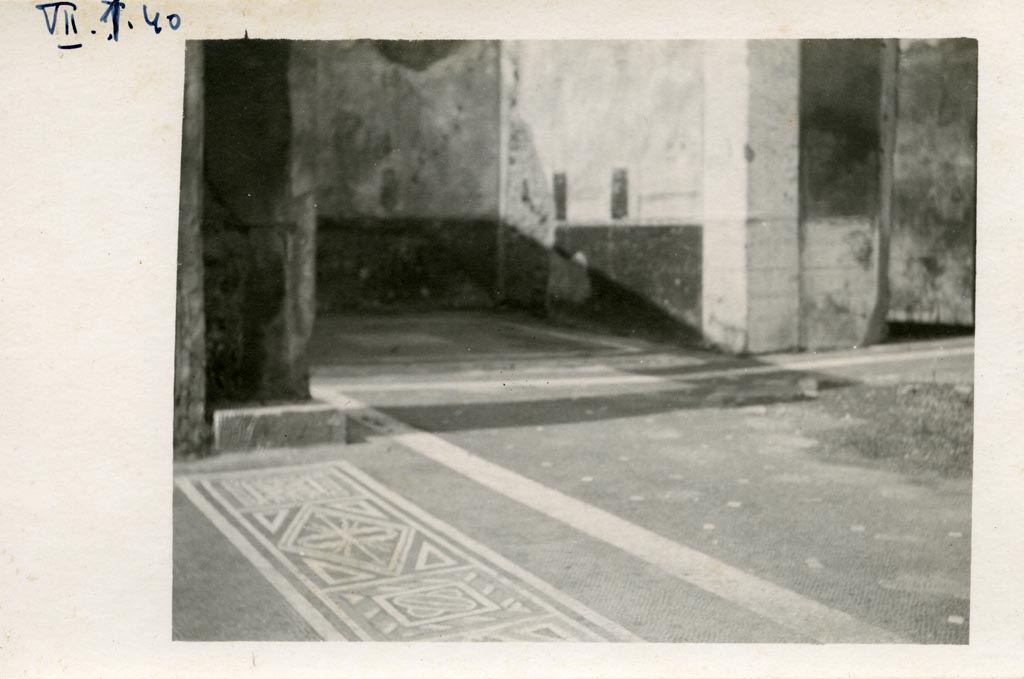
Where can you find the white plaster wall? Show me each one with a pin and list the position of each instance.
(724, 273)
(592, 106)
(773, 167)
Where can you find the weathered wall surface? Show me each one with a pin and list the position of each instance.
(750, 215)
(190, 430)
(526, 207)
(395, 263)
(585, 110)
(301, 217)
(407, 172)
(840, 140)
(726, 110)
(259, 222)
(407, 129)
(248, 126)
(932, 249)
(772, 157)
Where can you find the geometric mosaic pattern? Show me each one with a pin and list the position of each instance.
(380, 569)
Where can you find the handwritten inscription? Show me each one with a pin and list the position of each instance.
(59, 17)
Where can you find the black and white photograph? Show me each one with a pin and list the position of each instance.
(461, 339)
(608, 340)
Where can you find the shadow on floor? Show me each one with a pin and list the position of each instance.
(915, 332)
(782, 387)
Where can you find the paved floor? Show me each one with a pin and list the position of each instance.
(510, 480)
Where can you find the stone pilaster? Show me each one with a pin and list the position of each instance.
(750, 272)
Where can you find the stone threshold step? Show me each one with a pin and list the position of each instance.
(277, 426)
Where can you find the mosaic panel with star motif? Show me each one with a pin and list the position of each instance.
(381, 569)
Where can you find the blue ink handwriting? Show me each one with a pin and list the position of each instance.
(52, 11)
(112, 16)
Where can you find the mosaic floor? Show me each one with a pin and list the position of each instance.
(359, 562)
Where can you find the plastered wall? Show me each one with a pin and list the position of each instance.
(931, 268)
(407, 129)
(734, 188)
(584, 111)
(407, 173)
(252, 237)
(594, 106)
(840, 165)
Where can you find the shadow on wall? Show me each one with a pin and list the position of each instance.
(407, 191)
(615, 308)
(422, 264)
(637, 281)
(410, 207)
(628, 278)
(577, 294)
